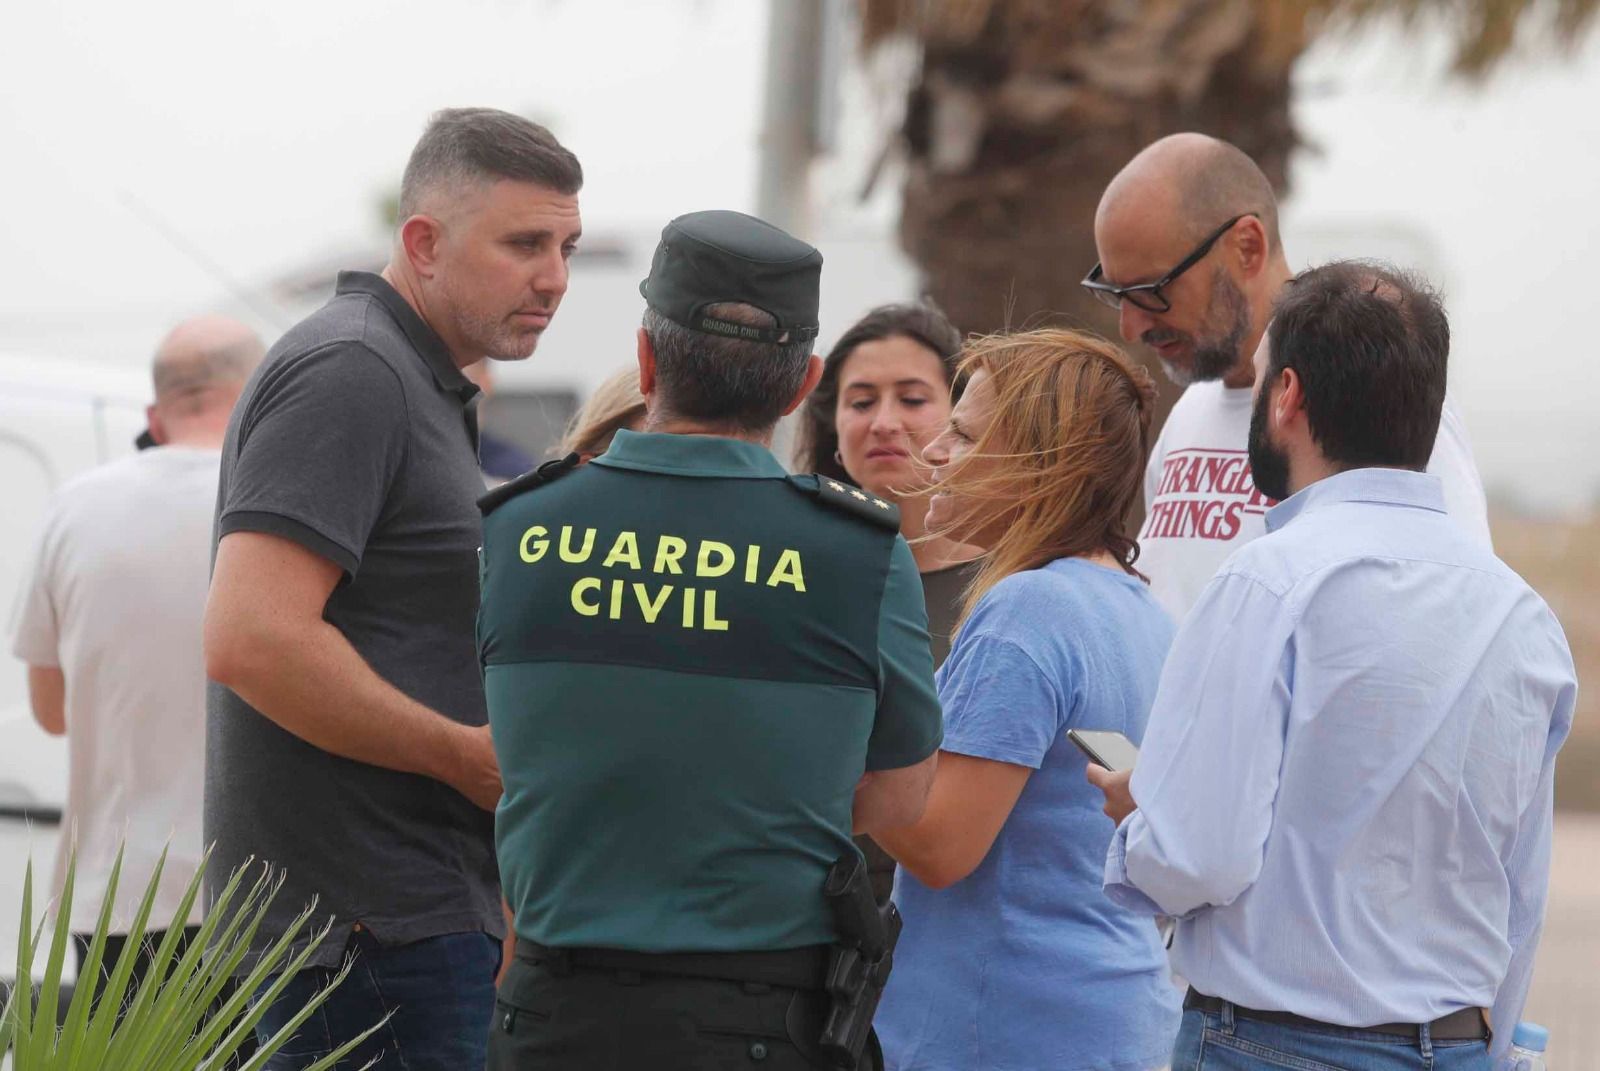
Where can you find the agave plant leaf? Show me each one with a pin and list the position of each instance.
(8, 1027)
(101, 1047)
(223, 948)
(287, 1031)
(173, 996)
(112, 994)
(15, 1015)
(165, 1001)
(237, 1017)
(42, 1042)
(182, 1016)
(70, 1045)
(271, 976)
(167, 1016)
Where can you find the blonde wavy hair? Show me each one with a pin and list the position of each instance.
(616, 403)
(1067, 446)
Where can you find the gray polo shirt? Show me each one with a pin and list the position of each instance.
(357, 439)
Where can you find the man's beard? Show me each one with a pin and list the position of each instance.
(1215, 354)
(497, 339)
(1269, 466)
(491, 336)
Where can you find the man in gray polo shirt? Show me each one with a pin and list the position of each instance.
(347, 743)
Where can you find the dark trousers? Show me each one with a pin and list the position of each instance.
(1228, 1042)
(439, 991)
(584, 1019)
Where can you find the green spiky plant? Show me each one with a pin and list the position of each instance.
(183, 1016)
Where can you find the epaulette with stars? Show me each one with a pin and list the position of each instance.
(538, 477)
(843, 496)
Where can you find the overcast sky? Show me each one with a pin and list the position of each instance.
(141, 139)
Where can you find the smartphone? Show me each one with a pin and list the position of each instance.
(1105, 748)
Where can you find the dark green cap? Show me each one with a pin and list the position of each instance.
(708, 258)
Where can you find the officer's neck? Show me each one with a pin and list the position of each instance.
(675, 426)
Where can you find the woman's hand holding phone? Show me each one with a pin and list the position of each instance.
(1111, 759)
(1114, 783)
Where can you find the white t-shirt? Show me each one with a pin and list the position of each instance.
(1201, 503)
(115, 598)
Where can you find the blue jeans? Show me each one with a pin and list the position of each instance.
(441, 991)
(1230, 1043)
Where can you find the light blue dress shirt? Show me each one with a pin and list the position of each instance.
(1346, 783)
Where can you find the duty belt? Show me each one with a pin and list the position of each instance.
(793, 968)
(1464, 1025)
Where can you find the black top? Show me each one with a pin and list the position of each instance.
(943, 589)
(357, 439)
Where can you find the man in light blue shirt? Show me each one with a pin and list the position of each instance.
(1345, 789)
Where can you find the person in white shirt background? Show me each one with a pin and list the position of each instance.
(1191, 257)
(108, 620)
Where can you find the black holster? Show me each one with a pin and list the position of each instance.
(860, 962)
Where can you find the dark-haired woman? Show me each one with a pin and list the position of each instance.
(886, 392)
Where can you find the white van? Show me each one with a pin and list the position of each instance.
(57, 418)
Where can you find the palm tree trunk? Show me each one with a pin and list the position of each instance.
(1025, 109)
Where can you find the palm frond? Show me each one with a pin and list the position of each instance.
(184, 1015)
(1484, 31)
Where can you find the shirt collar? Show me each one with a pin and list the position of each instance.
(691, 455)
(423, 338)
(1385, 487)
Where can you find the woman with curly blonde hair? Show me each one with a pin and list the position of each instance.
(1012, 956)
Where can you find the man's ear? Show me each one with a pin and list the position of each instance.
(158, 427)
(813, 376)
(419, 237)
(1251, 249)
(647, 368)
(1291, 400)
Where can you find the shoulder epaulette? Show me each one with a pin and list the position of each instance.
(550, 470)
(843, 496)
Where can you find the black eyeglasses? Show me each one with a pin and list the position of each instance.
(1149, 296)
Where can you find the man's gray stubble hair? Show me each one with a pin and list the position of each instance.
(734, 383)
(474, 145)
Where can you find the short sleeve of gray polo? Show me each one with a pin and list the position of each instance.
(320, 443)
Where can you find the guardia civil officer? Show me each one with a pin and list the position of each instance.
(701, 674)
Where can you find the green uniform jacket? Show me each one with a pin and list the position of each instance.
(690, 658)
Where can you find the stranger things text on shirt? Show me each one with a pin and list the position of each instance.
(1203, 494)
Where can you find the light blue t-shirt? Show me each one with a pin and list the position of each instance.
(1025, 964)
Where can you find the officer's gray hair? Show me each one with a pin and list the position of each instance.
(472, 145)
(735, 383)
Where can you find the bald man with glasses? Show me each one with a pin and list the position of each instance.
(1191, 259)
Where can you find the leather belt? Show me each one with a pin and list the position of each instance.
(1464, 1025)
(793, 968)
